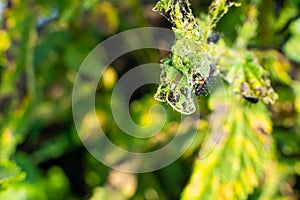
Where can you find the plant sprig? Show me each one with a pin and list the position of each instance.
(195, 59)
(190, 66)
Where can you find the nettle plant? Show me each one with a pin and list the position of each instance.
(197, 56)
(239, 164)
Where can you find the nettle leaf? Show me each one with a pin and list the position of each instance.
(10, 173)
(175, 89)
(218, 9)
(236, 165)
(179, 13)
(248, 78)
(164, 5)
(275, 63)
(291, 47)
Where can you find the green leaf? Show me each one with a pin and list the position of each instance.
(246, 76)
(175, 89)
(275, 63)
(292, 48)
(10, 173)
(235, 166)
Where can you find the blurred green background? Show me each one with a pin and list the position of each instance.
(42, 45)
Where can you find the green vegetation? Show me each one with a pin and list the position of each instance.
(43, 43)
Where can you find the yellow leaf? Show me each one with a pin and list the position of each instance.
(109, 78)
(4, 40)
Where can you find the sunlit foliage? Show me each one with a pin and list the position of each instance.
(253, 45)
